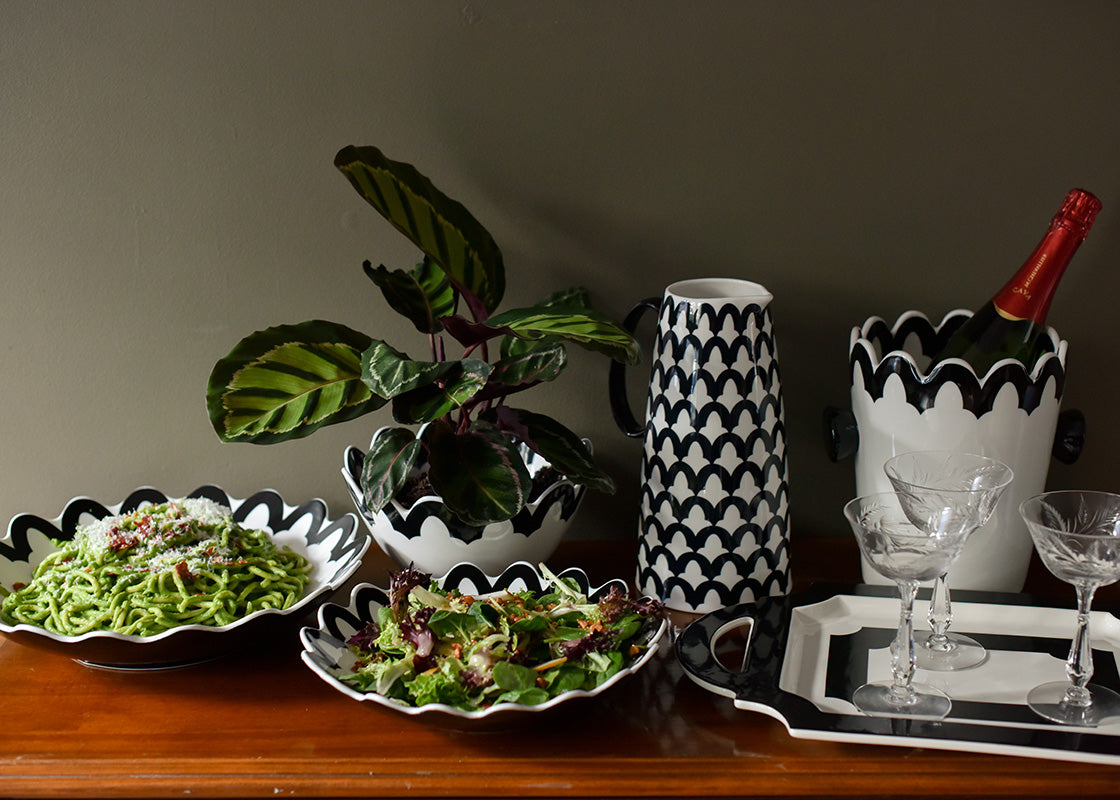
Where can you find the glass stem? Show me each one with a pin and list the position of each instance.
(902, 654)
(1079, 665)
(940, 616)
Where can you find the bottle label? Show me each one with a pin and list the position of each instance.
(1020, 299)
(1027, 295)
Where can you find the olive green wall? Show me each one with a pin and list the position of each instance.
(166, 186)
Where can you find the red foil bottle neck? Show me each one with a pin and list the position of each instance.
(1029, 292)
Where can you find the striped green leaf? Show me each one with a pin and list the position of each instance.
(288, 381)
(423, 295)
(573, 323)
(387, 465)
(480, 474)
(389, 372)
(531, 365)
(515, 345)
(574, 297)
(565, 451)
(462, 381)
(442, 228)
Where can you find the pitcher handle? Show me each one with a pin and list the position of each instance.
(616, 380)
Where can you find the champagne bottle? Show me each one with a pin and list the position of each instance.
(1012, 323)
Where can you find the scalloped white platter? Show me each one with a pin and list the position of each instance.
(335, 548)
(327, 655)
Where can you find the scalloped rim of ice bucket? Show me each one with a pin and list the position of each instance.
(864, 351)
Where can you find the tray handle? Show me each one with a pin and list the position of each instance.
(698, 643)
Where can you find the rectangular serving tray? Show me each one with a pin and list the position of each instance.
(806, 653)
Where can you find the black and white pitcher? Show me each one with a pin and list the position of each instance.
(714, 509)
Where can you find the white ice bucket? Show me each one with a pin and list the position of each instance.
(1009, 414)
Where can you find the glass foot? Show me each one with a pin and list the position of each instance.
(1050, 701)
(957, 652)
(877, 700)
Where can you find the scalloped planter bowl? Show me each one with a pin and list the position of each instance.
(428, 537)
(1010, 414)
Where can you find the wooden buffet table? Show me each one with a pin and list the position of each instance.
(259, 723)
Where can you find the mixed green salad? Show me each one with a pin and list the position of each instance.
(429, 645)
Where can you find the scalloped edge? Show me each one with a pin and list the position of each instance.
(537, 509)
(460, 573)
(905, 323)
(978, 393)
(534, 462)
(346, 568)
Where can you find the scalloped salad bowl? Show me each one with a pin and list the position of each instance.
(333, 546)
(327, 655)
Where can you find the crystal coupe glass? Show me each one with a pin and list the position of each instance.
(1077, 535)
(907, 554)
(927, 482)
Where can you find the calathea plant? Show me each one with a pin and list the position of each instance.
(288, 381)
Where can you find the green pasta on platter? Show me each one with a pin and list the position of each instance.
(182, 562)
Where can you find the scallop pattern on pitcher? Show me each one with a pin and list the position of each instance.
(714, 502)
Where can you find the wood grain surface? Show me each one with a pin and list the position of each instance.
(258, 723)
